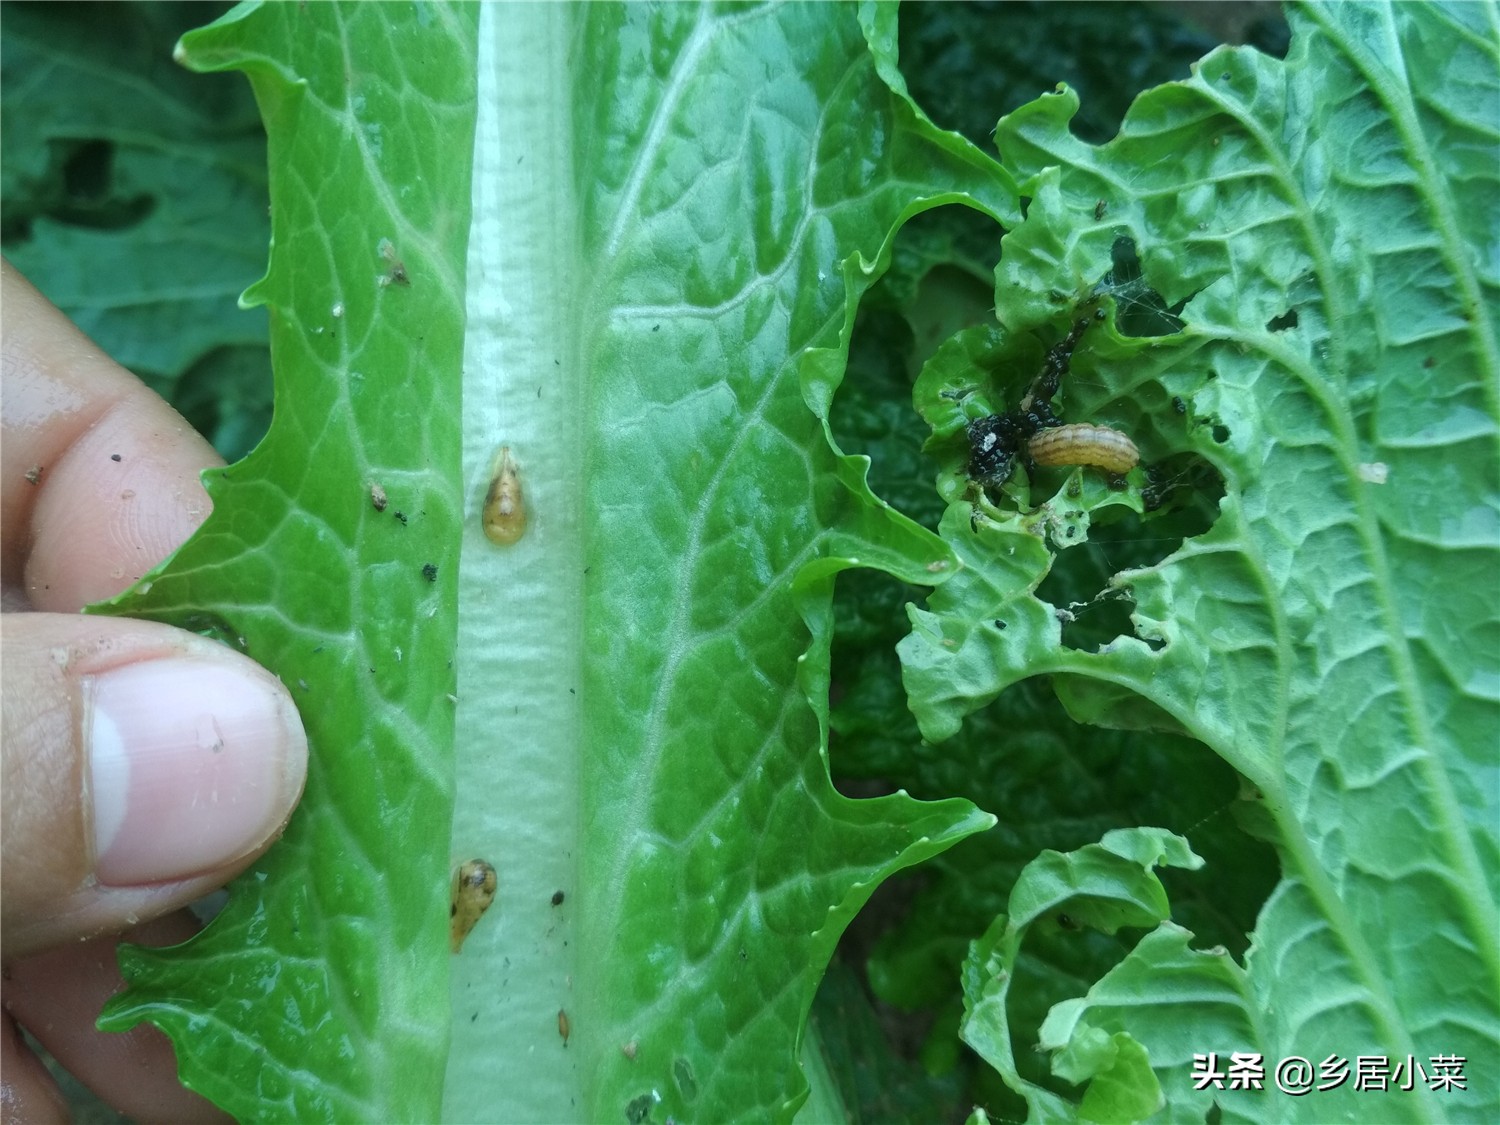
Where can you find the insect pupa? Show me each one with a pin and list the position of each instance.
(1082, 443)
(504, 515)
(473, 890)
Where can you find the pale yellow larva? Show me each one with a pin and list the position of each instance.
(1083, 443)
(474, 884)
(504, 515)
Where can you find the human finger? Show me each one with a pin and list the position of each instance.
(98, 476)
(143, 767)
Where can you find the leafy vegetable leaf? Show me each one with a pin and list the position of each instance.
(324, 975)
(679, 643)
(653, 302)
(1318, 223)
(664, 271)
(1103, 886)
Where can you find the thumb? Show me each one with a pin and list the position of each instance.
(143, 767)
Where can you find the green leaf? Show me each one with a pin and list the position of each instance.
(1103, 886)
(652, 305)
(1122, 1087)
(326, 974)
(1062, 785)
(1320, 227)
(655, 300)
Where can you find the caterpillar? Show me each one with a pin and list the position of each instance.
(504, 516)
(474, 883)
(1082, 443)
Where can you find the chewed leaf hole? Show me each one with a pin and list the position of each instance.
(1181, 500)
(1142, 311)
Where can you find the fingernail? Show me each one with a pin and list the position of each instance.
(192, 765)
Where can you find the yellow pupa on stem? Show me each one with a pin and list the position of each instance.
(474, 883)
(504, 515)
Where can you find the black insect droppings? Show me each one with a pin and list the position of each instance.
(557, 898)
(401, 516)
(429, 571)
(993, 441)
(115, 457)
(997, 441)
(1178, 405)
